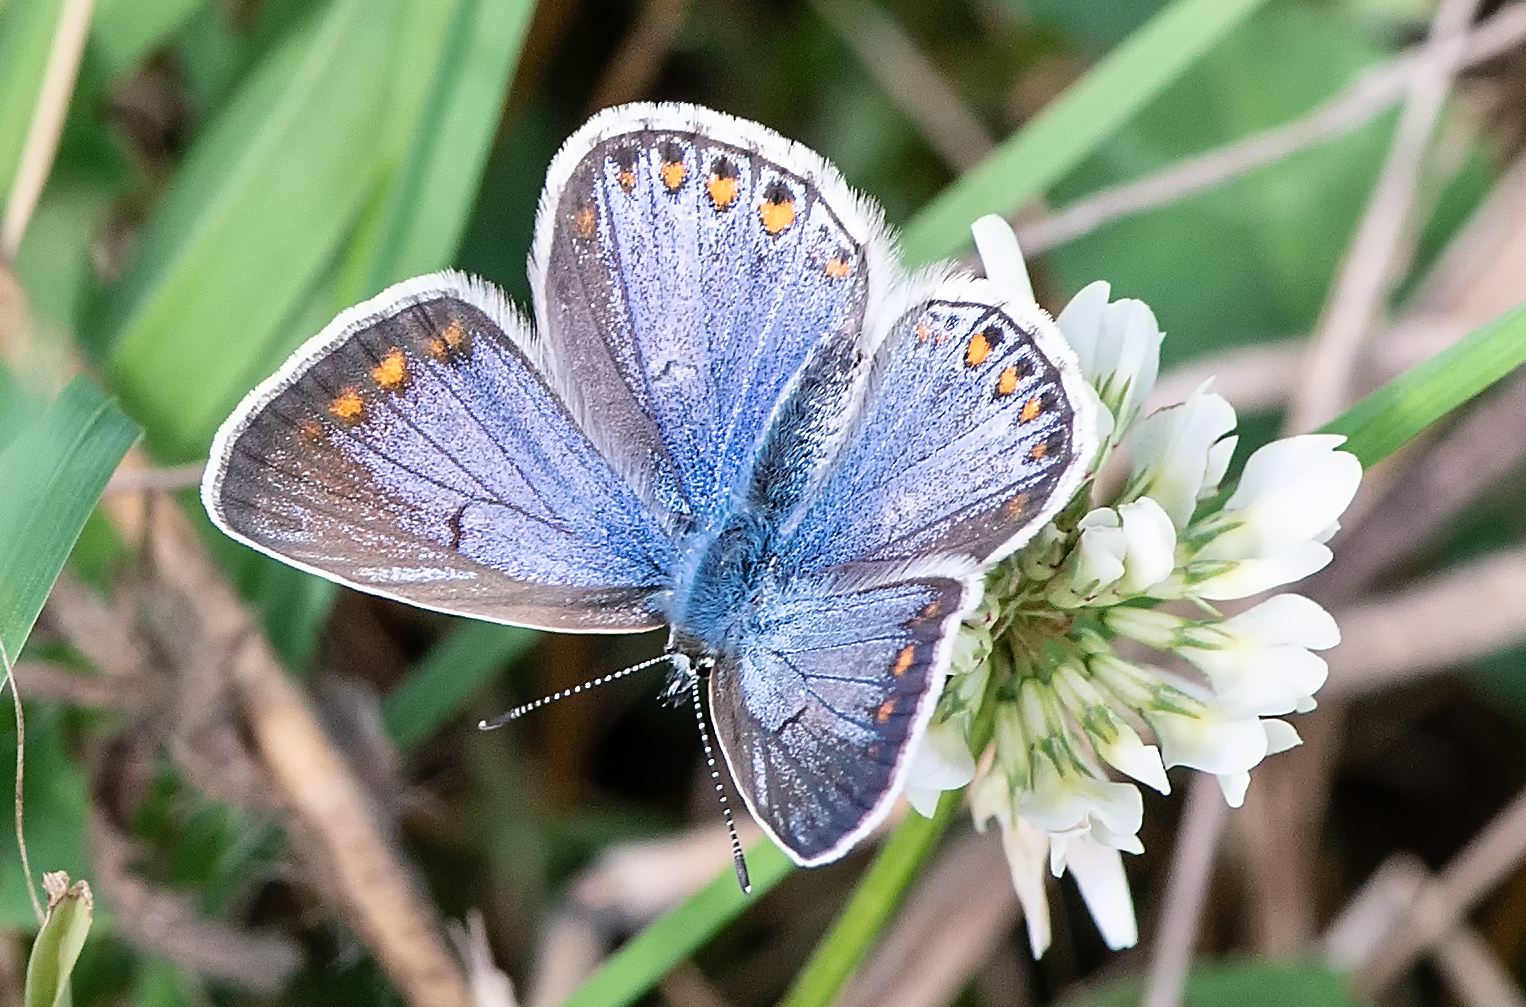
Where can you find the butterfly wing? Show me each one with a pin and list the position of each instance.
(413, 450)
(686, 265)
(816, 709)
(974, 431)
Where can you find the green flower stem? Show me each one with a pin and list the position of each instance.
(636, 967)
(880, 890)
(876, 897)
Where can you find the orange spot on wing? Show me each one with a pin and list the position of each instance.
(1039, 451)
(453, 343)
(723, 190)
(777, 217)
(931, 609)
(347, 406)
(584, 222)
(1031, 410)
(673, 174)
(392, 372)
(904, 659)
(980, 347)
(838, 267)
(1007, 383)
(1014, 508)
(627, 179)
(312, 430)
(886, 709)
(924, 332)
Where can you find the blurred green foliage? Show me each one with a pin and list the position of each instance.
(233, 173)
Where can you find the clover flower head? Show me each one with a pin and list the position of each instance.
(1064, 724)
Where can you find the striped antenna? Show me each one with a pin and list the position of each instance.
(593, 683)
(720, 792)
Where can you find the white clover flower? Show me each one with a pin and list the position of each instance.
(1180, 453)
(1098, 870)
(1027, 850)
(1260, 661)
(1073, 726)
(1118, 345)
(941, 762)
(1121, 553)
(1272, 529)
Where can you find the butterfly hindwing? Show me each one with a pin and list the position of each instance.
(412, 450)
(816, 709)
(686, 266)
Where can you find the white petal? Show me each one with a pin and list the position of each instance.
(1301, 486)
(1211, 742)
(1027, 850)
(1170, 451)
(1150, 551)
(1219, 457)
(1280, 736)
(1099, 875)
(1253, 576)
(941, 762)
(1082, 320)
(1284, 618)
(1233, 786)
(1150, 626)
(1127, 754)
(1001, 257)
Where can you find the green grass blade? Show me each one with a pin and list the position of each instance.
(58, 944)
(636, 967)
(123, 32)
(1073, 125)
(1384, 421)
(429, 199)
(438, 688)
(876, 897)
(259, 206)
(26, 35)
(54, 471)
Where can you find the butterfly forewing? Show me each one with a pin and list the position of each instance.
(971, 434)
(684, 275)
(413, 451)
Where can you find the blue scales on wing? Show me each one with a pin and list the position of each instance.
(817, 705)
(417, 453)
(967, 441)
(682, 282)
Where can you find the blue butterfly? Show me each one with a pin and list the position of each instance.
(733, 414)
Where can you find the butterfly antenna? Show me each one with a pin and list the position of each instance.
(720, 791)
(593, 683)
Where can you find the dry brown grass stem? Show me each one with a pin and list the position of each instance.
(47, 123)
(322, 796)
(1384, 238)
(911, 80)
(948, 927)
(1437, 624)
(1197, 844)
(1366, 98)
(1440, 904)
(636, 64)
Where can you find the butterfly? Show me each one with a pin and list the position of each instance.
(734, 413)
